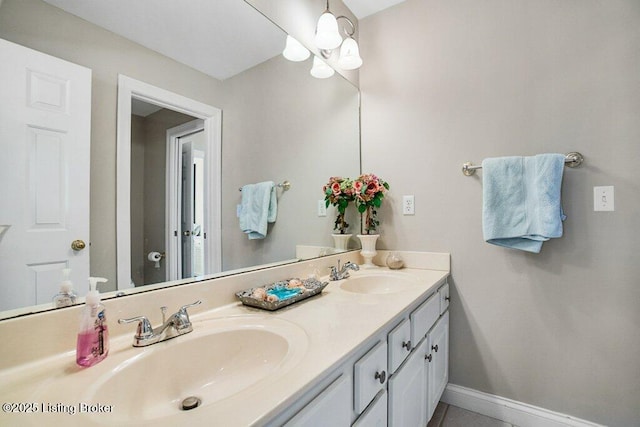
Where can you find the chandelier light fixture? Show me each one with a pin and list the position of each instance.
(327, 39)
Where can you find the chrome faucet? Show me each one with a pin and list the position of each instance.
(177, 324)
(338, 273)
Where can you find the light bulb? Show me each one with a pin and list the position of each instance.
(294, 51)
(327, 35)
(320, 69)
(349, 55)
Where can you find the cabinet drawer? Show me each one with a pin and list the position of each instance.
(443, 292)
(369, 376)
(399, 342)
(376, 413)
(423, 318)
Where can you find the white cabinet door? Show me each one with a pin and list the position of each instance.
(399, 342)
(376, 413)
(332, 407)
(438, 367)
(369, 376)
(45, 131)
(408, 391)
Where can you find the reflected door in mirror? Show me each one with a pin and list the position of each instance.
(44, 174)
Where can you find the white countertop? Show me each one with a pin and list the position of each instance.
(335, 323)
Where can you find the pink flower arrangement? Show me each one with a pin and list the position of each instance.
(369, 192)
(339, 192)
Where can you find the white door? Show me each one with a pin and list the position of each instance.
(186, 207)
(45, 123)
(187, 201)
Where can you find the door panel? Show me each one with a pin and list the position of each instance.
(45, 122)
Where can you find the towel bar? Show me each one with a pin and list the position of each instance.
(572, 160)
(285, 185)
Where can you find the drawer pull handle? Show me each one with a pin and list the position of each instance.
(447, 298)
(434, 347)
(428, 357)
(382, 376)
(407, 345)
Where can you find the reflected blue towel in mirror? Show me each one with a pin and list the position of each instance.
(258, 207)
(521, 200)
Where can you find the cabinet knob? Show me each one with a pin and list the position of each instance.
(407, 345)
(434, 347)
(428, 357)
(447, 298)
(382, 376)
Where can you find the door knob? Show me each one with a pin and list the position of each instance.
(78, 245)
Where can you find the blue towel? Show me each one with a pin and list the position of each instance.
(521, 200)
(258, 207)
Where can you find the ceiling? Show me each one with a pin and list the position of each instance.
(363, 8)
(220, 38)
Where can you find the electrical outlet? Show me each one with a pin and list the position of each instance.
(322, 208)
(408, 205)
(603, 198)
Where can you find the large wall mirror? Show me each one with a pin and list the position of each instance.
(261, 119)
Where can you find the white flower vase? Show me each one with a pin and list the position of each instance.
(368, 242)
(341, 241)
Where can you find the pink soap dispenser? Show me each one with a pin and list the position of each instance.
(93, 337)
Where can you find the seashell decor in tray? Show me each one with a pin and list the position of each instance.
(281, 294)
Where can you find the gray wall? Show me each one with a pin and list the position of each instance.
(445, 82)
(283, 124)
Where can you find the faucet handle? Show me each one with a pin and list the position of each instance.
(184, 307)
(144, 326)
(182, 324)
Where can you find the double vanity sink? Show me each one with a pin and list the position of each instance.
(239, 366)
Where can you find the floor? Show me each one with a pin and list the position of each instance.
(452, 416)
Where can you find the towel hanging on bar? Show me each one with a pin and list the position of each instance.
(521, 206)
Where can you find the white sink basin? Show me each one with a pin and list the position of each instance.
(379, 282)
(218, 360)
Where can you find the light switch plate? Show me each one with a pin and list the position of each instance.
(603, 198)
(322, 208)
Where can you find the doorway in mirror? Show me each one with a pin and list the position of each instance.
(168, 212)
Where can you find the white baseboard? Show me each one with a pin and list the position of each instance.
(507, 410)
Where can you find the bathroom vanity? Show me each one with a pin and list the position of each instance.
(372, 349)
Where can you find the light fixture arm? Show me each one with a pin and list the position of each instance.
(353, 26)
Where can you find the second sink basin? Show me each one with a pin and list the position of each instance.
(379, 282)
(220, 359)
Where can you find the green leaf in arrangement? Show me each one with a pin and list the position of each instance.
(362, 208)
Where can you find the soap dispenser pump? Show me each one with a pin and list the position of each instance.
(66, 296)
(93, 336)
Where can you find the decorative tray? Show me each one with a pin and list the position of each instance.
(281, 294)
